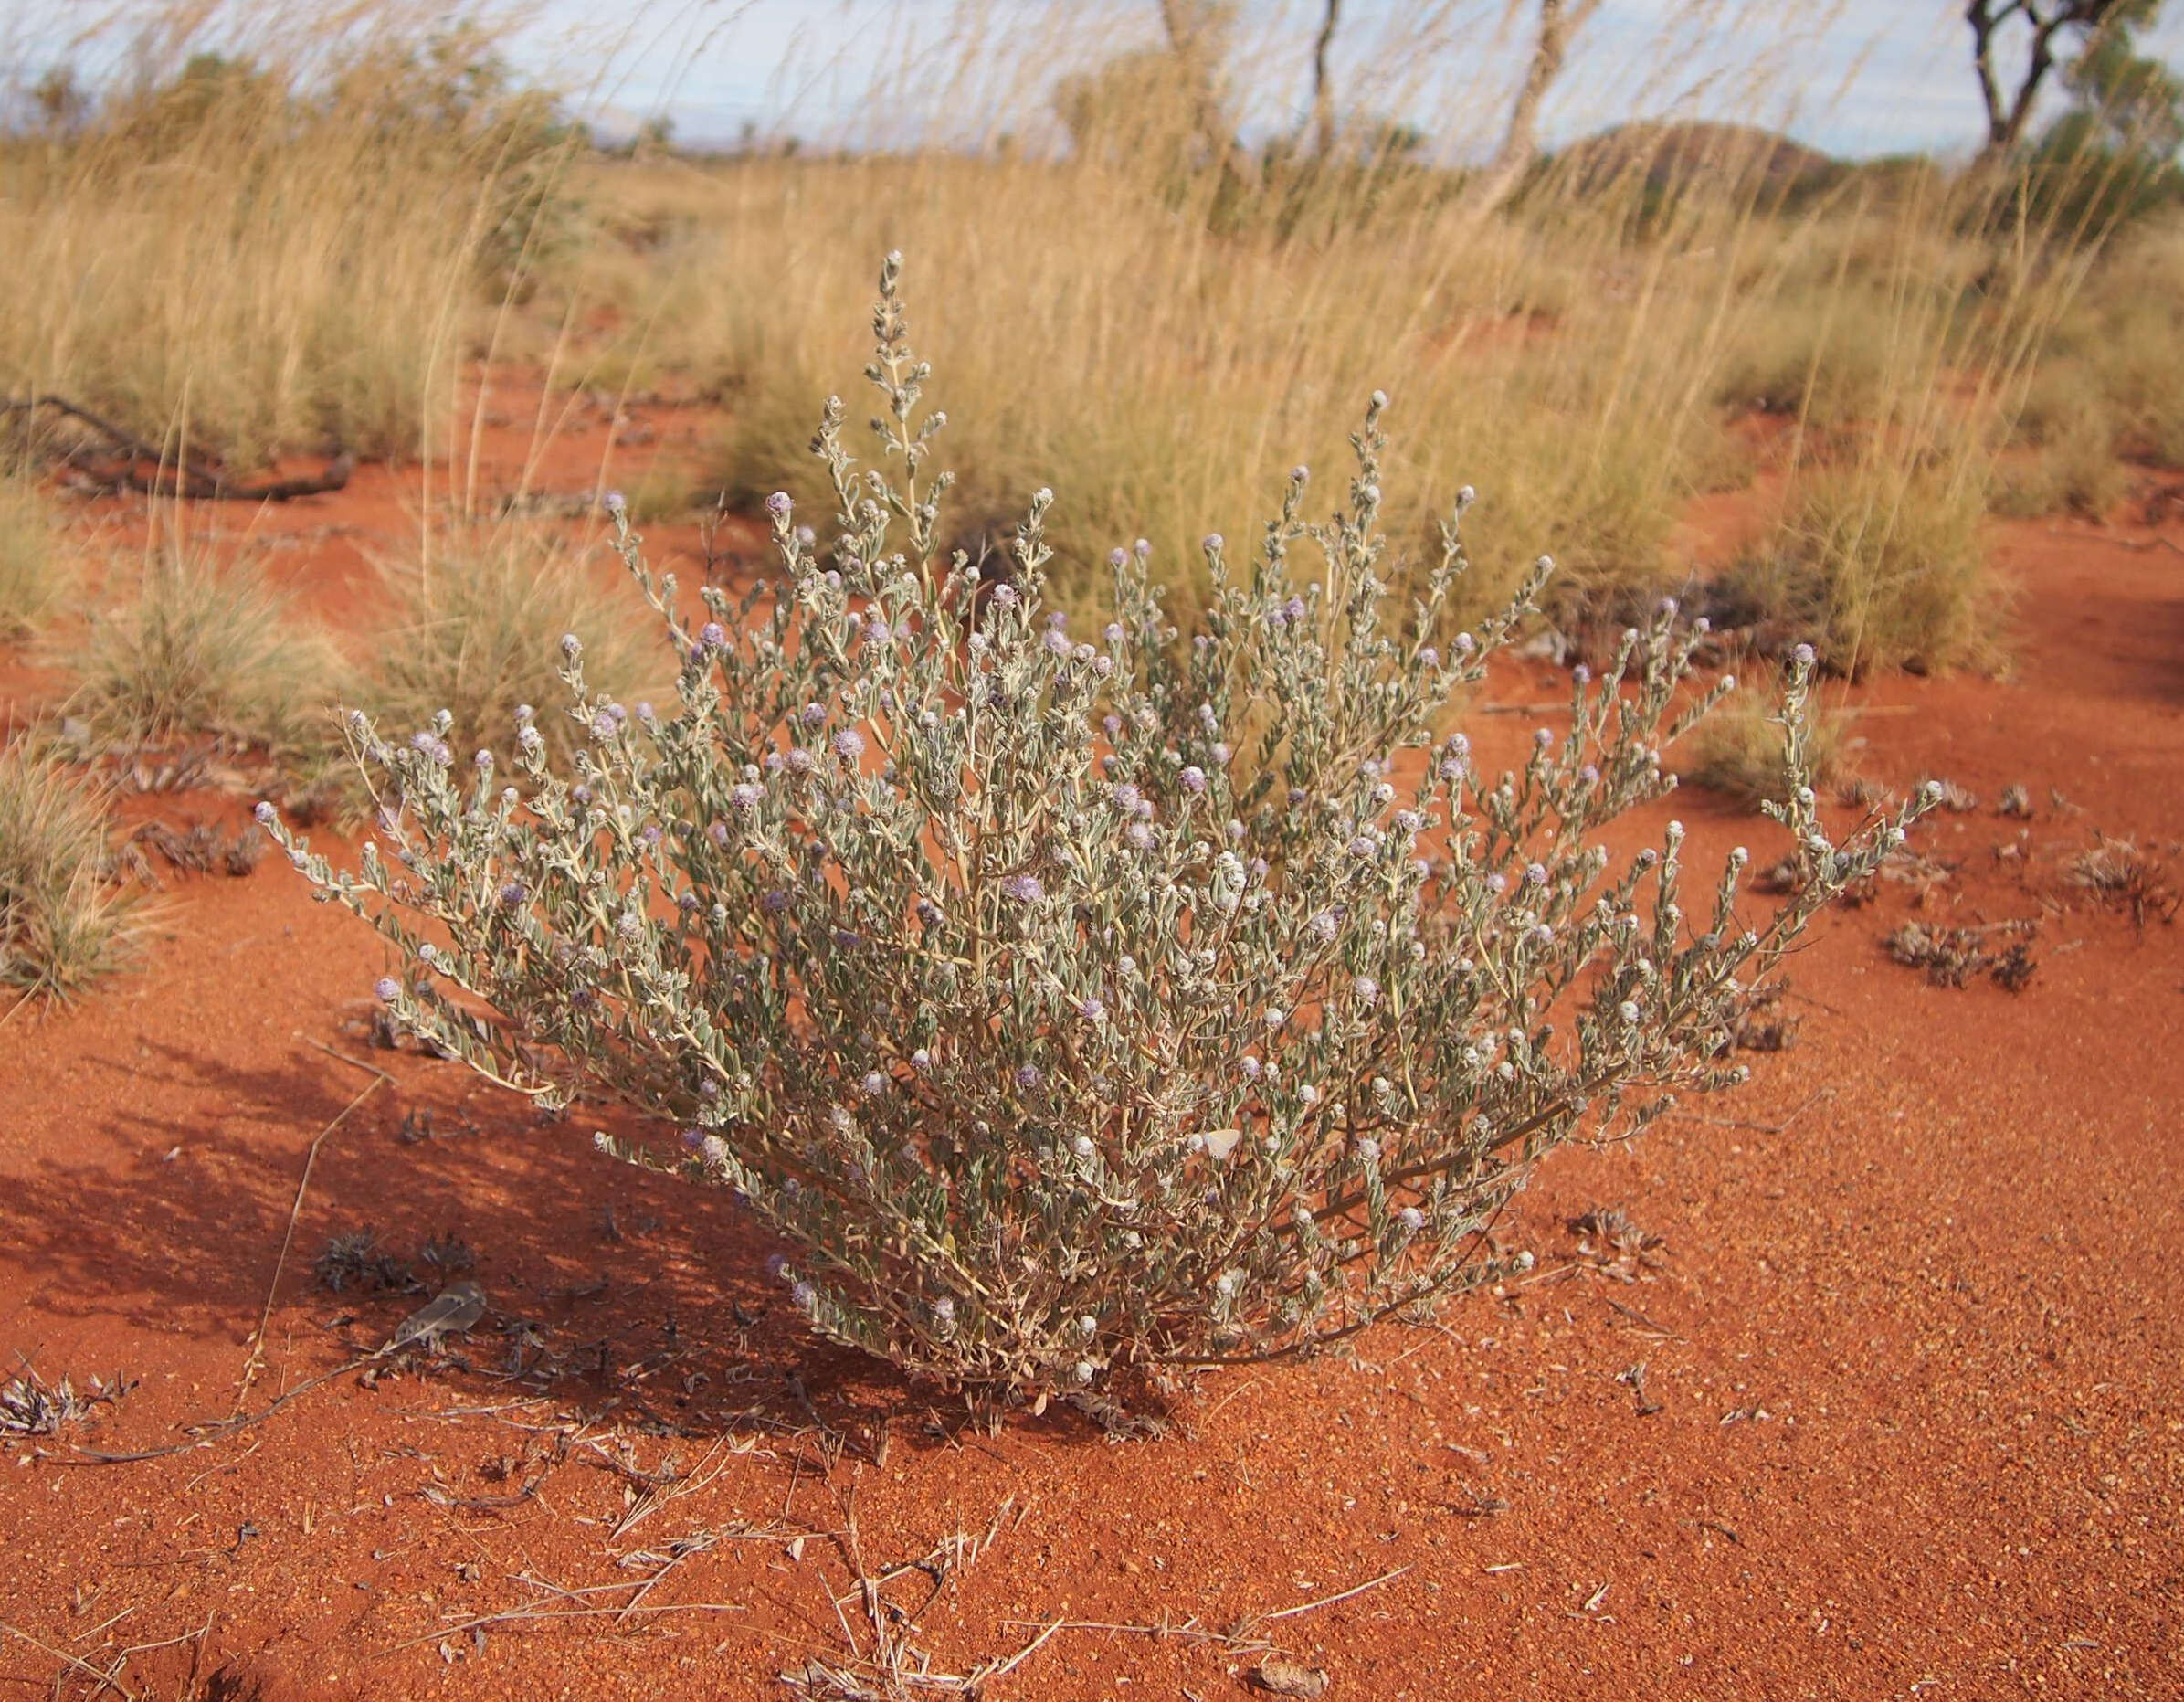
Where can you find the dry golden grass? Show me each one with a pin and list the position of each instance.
(276, 251)
(34, 575)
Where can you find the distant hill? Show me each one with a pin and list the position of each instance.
(1680, 155)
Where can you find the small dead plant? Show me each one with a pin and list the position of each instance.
(2123, 876)
(30, 1406)
(1954, 957)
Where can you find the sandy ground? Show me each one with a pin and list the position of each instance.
(1909, 1310)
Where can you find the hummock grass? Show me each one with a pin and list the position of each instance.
(477, 629)
(64, 921)
(198, 646)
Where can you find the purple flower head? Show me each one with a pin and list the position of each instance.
(1411, 1219)
(1027, 1076)
(1543, 737)
(603, 725)
(617, 503)
(1535, 875)
(692, 1139)
(803, 1296)
(1409, 820)
(1581, 674)
(1363, 846)
(1124, 798)
(1497, 883)
(778, 505)
(772, 901)
(1102, 665)
(847, 939)
(1211, 543)
(713, 635)
(570, 646)
(1366, 988)
(1251, 1067)
(1117, 557)
(1429, 656)
(1024, 888)
(1589, 775)
(1138, 836)
(1111, 725)
(581, 794)
(1322, 926)
(1055, 643)
(873, 1084)
(807, 536)
(1091, 1008)
(1804, 655)
(1005, 596)
(1369, 1150)
(849, 745)
(387, 988)
(513, 894)
(1295, 608)
(743, 795)
(1193, 778)
(432, 748)
(920, 1060)
(264, 813)
(813, 714)
(1142, 548)
(876, 632)
(800, 761)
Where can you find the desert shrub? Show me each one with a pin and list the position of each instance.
(1743, 748)
(31, 581)
(1882, 565)
(477, 625)
(63, 921)
(1059, 1034)
(205, 646)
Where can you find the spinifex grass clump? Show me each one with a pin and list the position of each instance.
(1076, 1005)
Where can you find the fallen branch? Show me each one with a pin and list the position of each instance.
(180, 476)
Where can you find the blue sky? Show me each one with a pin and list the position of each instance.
(1863, 77)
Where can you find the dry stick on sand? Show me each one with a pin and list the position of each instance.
(257, 1339)
(1240, 1638)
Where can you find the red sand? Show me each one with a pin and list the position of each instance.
(1914, 1331)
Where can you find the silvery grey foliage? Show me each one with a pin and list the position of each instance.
(1080, 1003)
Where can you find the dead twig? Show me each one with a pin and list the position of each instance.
(252, 1365)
